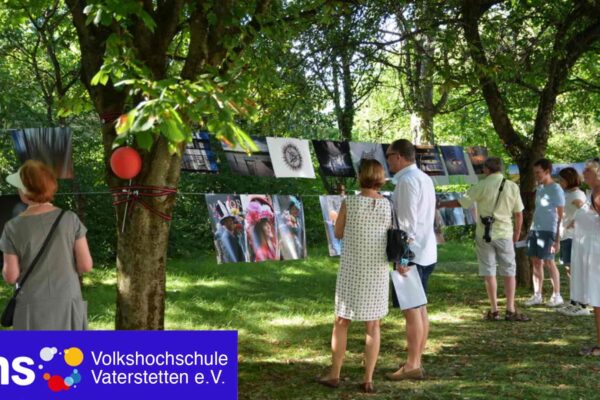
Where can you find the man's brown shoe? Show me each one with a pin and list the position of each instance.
(403, 374)
(332, 383)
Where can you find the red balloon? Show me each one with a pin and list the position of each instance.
(126, 162)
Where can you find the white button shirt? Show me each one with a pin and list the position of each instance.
(414, 202)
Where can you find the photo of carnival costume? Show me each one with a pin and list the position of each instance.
(229, 232)
(260, 228)
(290, 227)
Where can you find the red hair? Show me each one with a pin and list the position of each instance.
(39, 181)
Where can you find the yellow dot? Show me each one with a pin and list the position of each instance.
(73, 356)
(46, 376)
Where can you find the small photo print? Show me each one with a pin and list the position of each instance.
(289, 217)
(334, 158)
(291, 158)
(330, 207)
(227, 222)
(254, 164)
(199, 156)
(52, 146)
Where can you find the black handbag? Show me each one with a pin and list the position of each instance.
(8, 314)
(397, 248)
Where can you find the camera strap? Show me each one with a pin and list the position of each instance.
(498, 197)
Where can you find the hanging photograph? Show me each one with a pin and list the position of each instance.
(334, 158)
(10, 207)
(369, 151)
(254, 164)
(259, 225)
(289, 219)
(438, 223)
(513, 173)
(429, 161)
(52, 146)
(198, 155)
(451, 216)
(330, 207)
(227, 222)
(291, 158)
(477, 156)
(454, 159)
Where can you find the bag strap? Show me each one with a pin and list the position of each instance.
(39, 254)
(394, 218)
(498, 197)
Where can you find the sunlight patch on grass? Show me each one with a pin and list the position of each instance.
(290, 321)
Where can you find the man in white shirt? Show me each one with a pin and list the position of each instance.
(414, 203)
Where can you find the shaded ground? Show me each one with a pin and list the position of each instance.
(283, 312)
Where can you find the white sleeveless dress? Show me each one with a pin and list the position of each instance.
(362, 288)
(585, 258)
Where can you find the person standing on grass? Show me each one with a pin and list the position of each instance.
(499, 198)
(362, 287)
(414, 203)
(586, 251)
(544, 237)
(574, 199)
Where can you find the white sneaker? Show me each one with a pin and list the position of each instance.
(555, 301)
(534, 300)
(566, 309)
(577, 311)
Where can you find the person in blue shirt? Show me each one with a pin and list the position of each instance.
(544, 238)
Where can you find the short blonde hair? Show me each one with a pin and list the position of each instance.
(594, 165)
(371, 174)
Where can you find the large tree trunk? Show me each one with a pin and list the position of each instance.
(421, 127)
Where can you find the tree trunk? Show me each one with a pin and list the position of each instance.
(421, 127)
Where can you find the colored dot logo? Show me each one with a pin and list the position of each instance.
(73, 357)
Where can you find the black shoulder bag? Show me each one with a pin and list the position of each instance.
(488, 221)
(397, 248)
(9, 311)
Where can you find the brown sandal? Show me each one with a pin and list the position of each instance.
(331, 383)
(491, 316)
(367, 387)
(591, 351)
(516, 317)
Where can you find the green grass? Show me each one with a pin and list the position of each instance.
(284, 311)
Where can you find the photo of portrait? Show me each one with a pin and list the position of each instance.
(330, 207)
(198, 155)
(334, 158)
(259, 224)
(254, 164)
(52, 146)
(227, 222)
(454, 159)
(289, 219)
(10, 207)
(369, 151)
(291, 158)
(477, 156)
(451, 216)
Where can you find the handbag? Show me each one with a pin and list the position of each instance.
(397, 248)
(6, 320)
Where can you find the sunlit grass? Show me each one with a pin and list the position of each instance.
(283, 312)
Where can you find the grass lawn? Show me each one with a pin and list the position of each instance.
(284, 312)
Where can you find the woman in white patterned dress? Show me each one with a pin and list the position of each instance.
(362, 288)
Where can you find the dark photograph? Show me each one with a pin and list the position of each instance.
(477, 155)
(454, 158)
(198, 155)
(52, 146)
(257, 163)
(334, 158)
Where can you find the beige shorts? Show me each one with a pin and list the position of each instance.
(499, 252)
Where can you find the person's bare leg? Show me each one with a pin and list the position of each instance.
(339, 338)
(372, 340)
(425, 323)
(491, 287)
(554, 275)
(414, 338)
(510, 285)
(538, 275)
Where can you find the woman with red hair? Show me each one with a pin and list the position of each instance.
(50, 298)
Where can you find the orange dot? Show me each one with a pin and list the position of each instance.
(46, 376)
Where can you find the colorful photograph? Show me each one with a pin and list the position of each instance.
(254, 164)
(477, 156)
(198, 155)
(289, 218)
(451, 216)
(429, 161)
(291, 158)
(330, 207)
(227, 222)
(52, 146)
(454, 158)
(259, 225)
(369, 151)
(334, 158)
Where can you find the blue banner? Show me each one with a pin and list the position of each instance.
(118, 364)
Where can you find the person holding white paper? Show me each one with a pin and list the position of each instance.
(414, 202)
(362, 287)
(500, 199)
